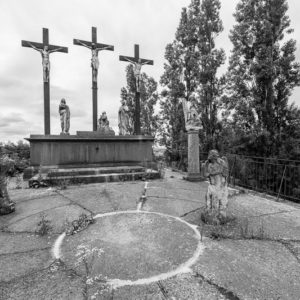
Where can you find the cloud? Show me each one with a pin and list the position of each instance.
(122, 23)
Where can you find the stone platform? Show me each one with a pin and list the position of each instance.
(56, 176)
(87, 150)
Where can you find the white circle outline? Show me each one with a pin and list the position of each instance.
(116, 283)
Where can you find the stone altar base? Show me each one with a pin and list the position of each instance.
(89, 157)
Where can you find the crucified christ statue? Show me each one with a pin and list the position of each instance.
(45, 59)
(137, 66)
(94, 60)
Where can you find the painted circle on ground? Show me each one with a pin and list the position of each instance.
(138, 247)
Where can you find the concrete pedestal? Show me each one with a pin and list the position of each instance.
(193, 156)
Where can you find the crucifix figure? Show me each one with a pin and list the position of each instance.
(45, 49)
(137, 63)
(45, 59)
(95, 48)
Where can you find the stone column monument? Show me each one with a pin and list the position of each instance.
(192, 125)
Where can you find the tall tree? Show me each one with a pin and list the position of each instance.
(149, 98)
(262, 68)
(211, 59)
(190, 71)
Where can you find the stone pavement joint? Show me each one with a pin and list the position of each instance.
(225, 292)
(28, 251)
(163, 290)
(72, 201)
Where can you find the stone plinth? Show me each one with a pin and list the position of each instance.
(193, 156)
(89, 151)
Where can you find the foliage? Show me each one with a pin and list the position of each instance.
(190, 73)
(148, 100)
(18, 152)
(262, 74)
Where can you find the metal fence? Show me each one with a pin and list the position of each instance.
(277, 177)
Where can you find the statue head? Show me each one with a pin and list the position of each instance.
(63, 101)
(103, 116)
(46, 48)
(213, 155)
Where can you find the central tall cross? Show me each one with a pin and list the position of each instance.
(45, 49)
(95, 48)
(137, 65)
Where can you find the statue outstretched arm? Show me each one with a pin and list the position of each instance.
(83, 44)
(35, 48)
(54, 50)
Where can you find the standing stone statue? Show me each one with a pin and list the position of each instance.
(6, 205)
(125, 123)
(216, 169)
(64, 113)
(103, 125)
(191, 115)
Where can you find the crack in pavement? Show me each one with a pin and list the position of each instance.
(173, 198)
(24, 252)
(73, 202)
(225, 292)
(40, 212)
(163, 290)
(34, 198)
(284, 242)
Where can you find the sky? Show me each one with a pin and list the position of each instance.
(122, 23)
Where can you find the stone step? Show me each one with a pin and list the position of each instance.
(45, 180)
(94, 171)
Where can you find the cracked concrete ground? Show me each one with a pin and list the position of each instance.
(255, 256)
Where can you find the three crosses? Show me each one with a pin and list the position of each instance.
(45, 49)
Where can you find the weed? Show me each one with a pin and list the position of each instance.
(85, 258)
(44, 226)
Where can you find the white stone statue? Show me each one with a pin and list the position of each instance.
(125, 122)
(216, 169)
(45, 59)
(94, 60)
(137, 66)
(64, 113)
(103, 125)
(191, 115)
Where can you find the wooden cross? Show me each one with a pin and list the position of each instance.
(45, 49)
(95, 48)
(137, 65)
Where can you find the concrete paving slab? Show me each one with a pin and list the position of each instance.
(105, 197)
(23, 242)
(136, 245)
(279, 220)
(32, 207)
(58, 216)
(146, 292)
(187, 287)
(21, 264)
(43, 285)
(169, 206)
(251, 269)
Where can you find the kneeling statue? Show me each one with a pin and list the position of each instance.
(103, 125)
